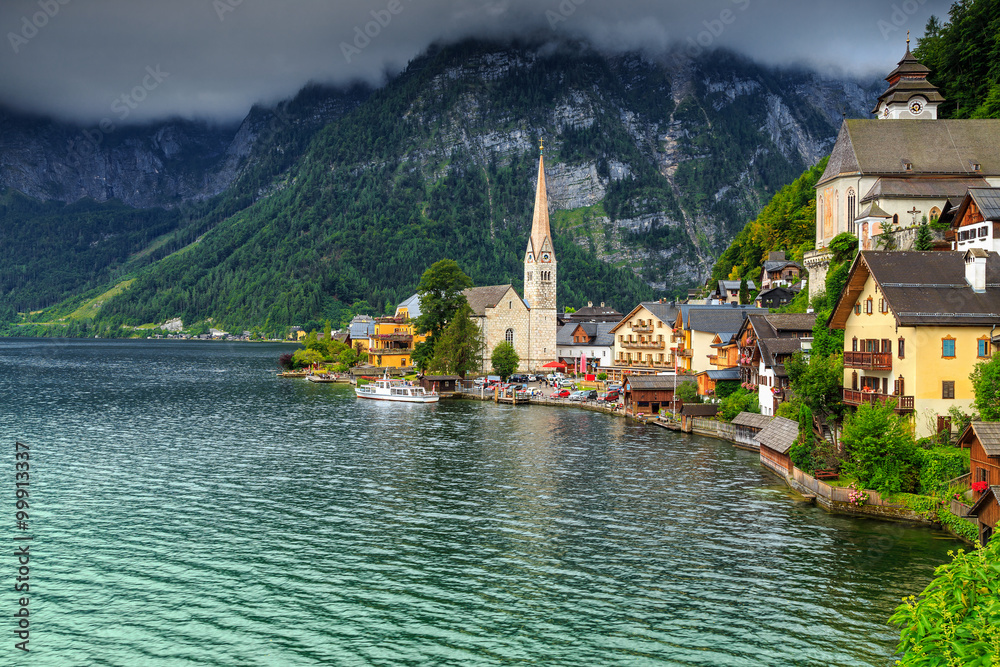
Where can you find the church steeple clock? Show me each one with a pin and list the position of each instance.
(910, 95)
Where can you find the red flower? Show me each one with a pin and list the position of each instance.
(979, 487)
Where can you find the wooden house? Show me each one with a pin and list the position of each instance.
(647, 394)
(987, 511)
(776, 439)
(443, 384)
(748, 425)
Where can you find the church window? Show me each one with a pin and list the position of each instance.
(935, 213)
(852, 204)
(529, 277)
(509, 336)
(895, 218)
(510, 304)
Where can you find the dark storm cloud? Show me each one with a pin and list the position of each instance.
(138, 60)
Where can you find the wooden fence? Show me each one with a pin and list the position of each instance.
(715, 428)
(837, 493)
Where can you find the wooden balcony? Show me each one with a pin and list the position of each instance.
(642, 328)
(854, 397)
(685, 352)
(390, 350)
(868, 361)
(650, 345)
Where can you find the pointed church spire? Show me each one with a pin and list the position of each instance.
(541, 238)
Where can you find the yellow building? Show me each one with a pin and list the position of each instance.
(696, 326)
(643, 339)
(915, 325)
(391, 345)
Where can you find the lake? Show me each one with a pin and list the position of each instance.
(190, 508)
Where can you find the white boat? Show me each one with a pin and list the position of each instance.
(396, 390)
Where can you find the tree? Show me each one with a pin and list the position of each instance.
(924, 239)
(688, 392)
(422, 354)
(460, 348)
(880, 449)
(744, 292)
(440, 291)
(817, 380)
(986, 386)
(956, 620)
(504, 360)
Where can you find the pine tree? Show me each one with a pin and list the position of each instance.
(924, 239)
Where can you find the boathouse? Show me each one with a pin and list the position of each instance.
(647, 394)
(987, 511)
(689, 411)
(983, 439)
(442, 384)
(748, 425)
(776, 439)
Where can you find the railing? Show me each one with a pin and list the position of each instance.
(868, 361)
(395, 338)
(642, 328)
(389, 350)
(855, 397)
(685, 353)
(650, 345)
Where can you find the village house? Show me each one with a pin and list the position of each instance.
(915, 324)
(747, 426)
(983, 439)
(591, 313)
(774, 297)
(728, 291)
(696, 327)
(725, 360)
(360, 329)
(975, 221)
(888, 174)
(766, 343)
(778, 271)
(587, 346)
(640, 339)
(776, 439)
(646, 395)
(394, 338)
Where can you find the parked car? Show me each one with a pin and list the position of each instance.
(614, 387)
(561, 393)
(579, 395)
(591, 394)
(565, 382)
(609, 397)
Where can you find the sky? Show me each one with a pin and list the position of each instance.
(136, 61)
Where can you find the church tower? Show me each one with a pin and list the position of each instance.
(910, 95)
(540, 279)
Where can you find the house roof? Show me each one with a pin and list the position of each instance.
(990, 495)
(776, 293)
(987, 200)
(988, 434)
(481, 298)
(779, 435)
(778, 265)
(725, 339)
(923, 288)
(699, 409)
(361, 327)
(941, 146)
(598, 333)
(595, 313)
(713, 319)
(734, 285)
(916, 188)
(751, 419)
(724, 374)
(665, 311)
(655, 382)
(872, 210)
(412, 306)
(788, 322)
(770, 348)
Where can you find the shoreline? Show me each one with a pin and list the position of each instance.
(809, 489)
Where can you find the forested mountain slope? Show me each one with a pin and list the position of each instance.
(651, 167)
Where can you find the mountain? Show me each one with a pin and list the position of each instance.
(652, 167)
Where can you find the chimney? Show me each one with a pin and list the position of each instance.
(602, 304)
(975, 269)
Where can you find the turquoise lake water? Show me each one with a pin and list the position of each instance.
(190, 508)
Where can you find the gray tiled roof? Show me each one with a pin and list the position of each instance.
(772, 348)
(779, 265)
(412, 305)
(930, 287)
(932, 188)
(988, 434)
(481, 298)
(646, 382)
(361, 327)
(665, 312)
(734, 285)
(599, 334)
(880, 146)
(699, 409)
(779, 435)
(988, 201)
(751, 419)
(787, 322)
(724, 374)
(713, 319)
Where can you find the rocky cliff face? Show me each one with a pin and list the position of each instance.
(159, 165)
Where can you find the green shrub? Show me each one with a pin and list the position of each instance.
(724, 388)
(881, 452)
(956, 620)
(739, 401)
(939, 465)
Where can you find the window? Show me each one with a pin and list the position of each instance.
(857, 309)
(899, 387)
(854, 344)
(983, 232)
(510, 304)
(854, 380)
(852, 202)
(529, 276)
(868, 306)
(895, 218)
(509, 336)
(983, 347)
(948, 348)
(899, 348)
(948, 389)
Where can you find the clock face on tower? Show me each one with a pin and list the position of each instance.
(545, 257)
(916, 106)
(530, 259)
(885, 111)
